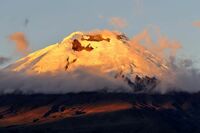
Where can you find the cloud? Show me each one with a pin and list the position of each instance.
(82, 79)
(181, 75)
(162, 46)
(118, 22)
(3, 60)
(20, 41)
(196, 24)
(101, 16)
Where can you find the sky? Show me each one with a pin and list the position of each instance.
(45, 22)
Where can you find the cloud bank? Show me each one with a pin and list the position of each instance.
(83, 79)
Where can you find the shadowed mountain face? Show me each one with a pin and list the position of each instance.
(100, 113)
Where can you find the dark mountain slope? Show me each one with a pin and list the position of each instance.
(100, 112)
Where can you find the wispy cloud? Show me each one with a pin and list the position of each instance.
(163, 46)
(196, 24)
(20, 41)
(118, 22)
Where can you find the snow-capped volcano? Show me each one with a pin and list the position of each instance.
(110, 53)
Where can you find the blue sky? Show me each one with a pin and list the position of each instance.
(51, 20)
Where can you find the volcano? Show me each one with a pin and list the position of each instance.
(106, 53)
(109, 51)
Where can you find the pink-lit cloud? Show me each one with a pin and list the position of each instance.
(20, 41)
(118, 22)
(196, 24)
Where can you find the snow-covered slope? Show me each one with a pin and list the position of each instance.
(111, 53)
